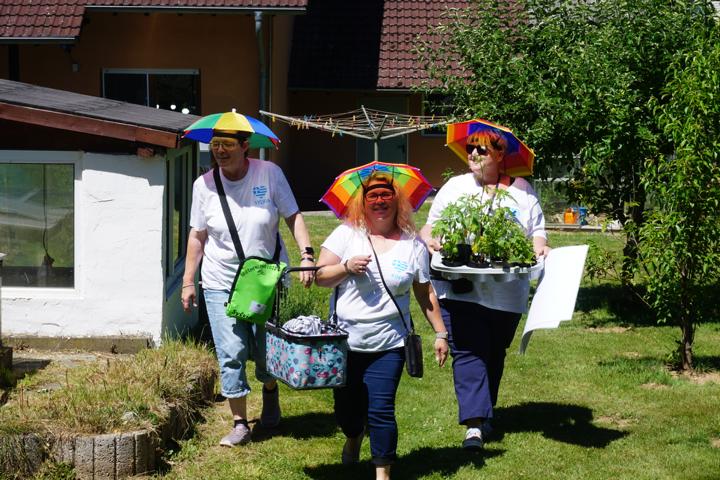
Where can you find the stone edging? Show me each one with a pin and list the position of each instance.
(105, 456)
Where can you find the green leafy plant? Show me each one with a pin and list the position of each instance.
(679, 242)
(458, 225)
(491, 231)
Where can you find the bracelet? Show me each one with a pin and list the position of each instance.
(347, 270)
(311, 259)
(188, 285)
(441, 335)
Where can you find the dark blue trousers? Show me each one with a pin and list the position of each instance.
(478, 339)
(372, 381)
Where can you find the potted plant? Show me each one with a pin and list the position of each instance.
(456, 229)
(494, 237)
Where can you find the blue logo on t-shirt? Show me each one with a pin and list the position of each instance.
(260, 191)
(399, 265)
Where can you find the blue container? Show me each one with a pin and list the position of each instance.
(583, 215)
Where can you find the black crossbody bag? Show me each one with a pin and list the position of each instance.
(413, 342)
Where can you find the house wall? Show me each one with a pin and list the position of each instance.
(280, 44)
(315, 157)
(119, 287)
(222, 47)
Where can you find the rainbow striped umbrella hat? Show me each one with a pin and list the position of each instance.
(347, 184)
(260, 135)
(518, 158)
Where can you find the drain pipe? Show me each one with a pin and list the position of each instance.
(263, 67)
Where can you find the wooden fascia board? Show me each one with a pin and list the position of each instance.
(93, 126)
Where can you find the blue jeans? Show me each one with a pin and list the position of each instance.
(235, 343)
(478, 339)
(372, 381)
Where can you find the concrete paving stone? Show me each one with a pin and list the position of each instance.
(33, 451)
(125, 455)
(63, 450)
(142, 452)
(84, 457)
(105, 456)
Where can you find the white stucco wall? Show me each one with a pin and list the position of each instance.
(119, 287)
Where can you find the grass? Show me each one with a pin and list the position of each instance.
(592, 399)
(121, 394)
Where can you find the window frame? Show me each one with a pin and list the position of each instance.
(53, 157)
(186, 157)
(147, 72)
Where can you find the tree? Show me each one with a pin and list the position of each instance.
(577, 79)
(680, 242)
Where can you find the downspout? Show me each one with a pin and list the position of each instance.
(262, 66)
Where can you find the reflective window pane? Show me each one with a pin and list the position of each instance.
(37, 224)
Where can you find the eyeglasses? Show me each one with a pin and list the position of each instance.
(226, 144)
(373, 197)
(481, 149)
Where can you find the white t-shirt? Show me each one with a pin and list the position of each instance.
(507, 296)
(256, 202)
(364, 308)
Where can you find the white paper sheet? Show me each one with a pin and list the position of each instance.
(554, 299)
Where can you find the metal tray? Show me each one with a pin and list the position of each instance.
(486, 274)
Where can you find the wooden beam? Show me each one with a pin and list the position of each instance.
(93, 126)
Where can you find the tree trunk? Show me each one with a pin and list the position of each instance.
(685, 348)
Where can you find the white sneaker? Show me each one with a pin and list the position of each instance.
(239, 435)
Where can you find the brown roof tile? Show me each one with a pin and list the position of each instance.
(362, 44)
(65, 16)
(403, 22)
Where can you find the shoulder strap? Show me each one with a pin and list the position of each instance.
(411, 329)
(228, 216)
(231, 224)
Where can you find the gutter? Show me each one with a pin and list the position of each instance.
(187, 9)
(38, 40)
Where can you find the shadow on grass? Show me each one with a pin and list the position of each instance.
(307, 425)
(564, 423)
(624, 306)
(706, 363)
(445, 461)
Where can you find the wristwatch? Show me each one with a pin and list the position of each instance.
(443, 335)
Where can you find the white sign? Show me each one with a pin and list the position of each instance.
(554, 299)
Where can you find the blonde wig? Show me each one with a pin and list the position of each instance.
(355, 214)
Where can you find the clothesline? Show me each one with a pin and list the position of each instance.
(363, 122)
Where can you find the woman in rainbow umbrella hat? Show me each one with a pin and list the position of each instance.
(257, 195)
(482, 317)
(373, 260)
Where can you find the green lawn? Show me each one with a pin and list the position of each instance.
(590, 400)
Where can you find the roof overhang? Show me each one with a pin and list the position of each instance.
(38, 40)
(83, 124)
(204, 9)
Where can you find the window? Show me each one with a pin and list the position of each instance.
(37, 224)
(167, 89)
(180, 168)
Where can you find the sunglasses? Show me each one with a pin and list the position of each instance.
(373, 197)
(226, 144)
(481, 149)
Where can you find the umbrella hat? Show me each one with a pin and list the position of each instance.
(260, 135)
(346, 185)
(518, 158)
